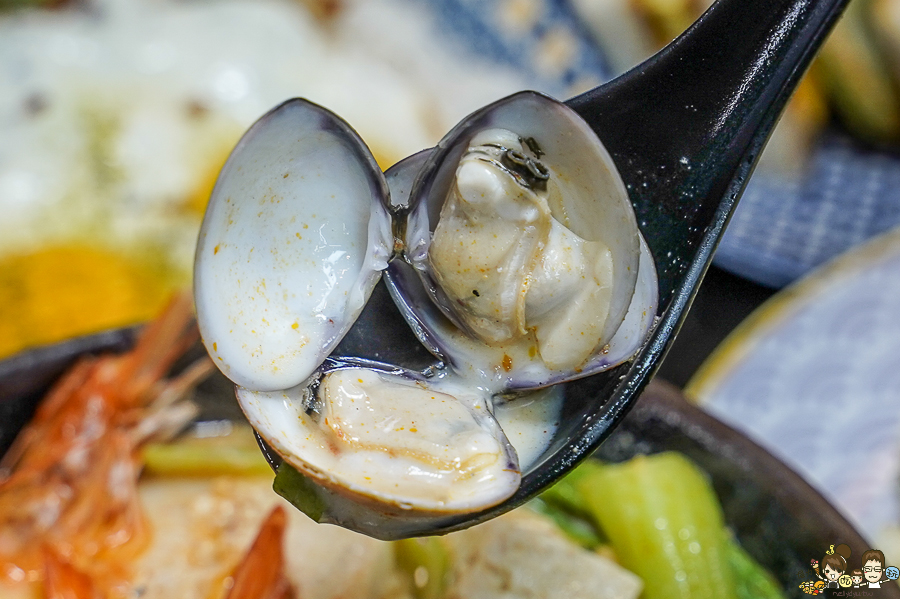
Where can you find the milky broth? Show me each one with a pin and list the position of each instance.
(530, 421)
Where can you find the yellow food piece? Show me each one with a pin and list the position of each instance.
(232, 454)
(857, 76)
(385, 158)
(667, 18)
(808, 101)
(805, 115)
(64, 291)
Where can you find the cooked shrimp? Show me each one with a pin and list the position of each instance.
(68, 486)
(63, 581)
(260, 575)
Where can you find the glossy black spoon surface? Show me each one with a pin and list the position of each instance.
(685, 129)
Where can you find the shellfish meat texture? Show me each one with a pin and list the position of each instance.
(294, 239)
(508, 266)
(390, 438)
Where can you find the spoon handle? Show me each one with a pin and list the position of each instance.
(685, 127)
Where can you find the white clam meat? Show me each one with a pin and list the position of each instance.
(392, 438)
(508, 266)
(517, 263)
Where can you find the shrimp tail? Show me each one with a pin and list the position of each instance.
(68, 486)
(52, 404)
(260, 575)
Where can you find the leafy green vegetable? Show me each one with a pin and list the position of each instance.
(665, 525)
(301, 492)
(578, 529)
(752, 581)
(567, 495)
(14, 4)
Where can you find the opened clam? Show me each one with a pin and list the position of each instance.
(512, 251)
(521, 232)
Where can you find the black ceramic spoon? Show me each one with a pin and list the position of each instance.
(685, 129)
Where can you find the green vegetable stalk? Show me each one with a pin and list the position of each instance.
(566, 494)
(566, 506)
(665, 524)
(15, 4)
(300, 492)
(578, 529)
(233, 454)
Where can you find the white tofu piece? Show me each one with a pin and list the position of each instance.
(523, 555)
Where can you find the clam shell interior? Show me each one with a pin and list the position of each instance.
(292, 243)
(510, 368)
(513, 367)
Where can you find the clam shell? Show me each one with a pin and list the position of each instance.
(297, 232)
(294, 238)
(486, 364)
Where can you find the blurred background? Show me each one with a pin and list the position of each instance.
(116, 115)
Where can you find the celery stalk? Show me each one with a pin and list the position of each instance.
(665, 524)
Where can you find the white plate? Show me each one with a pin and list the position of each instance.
(814, 376)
